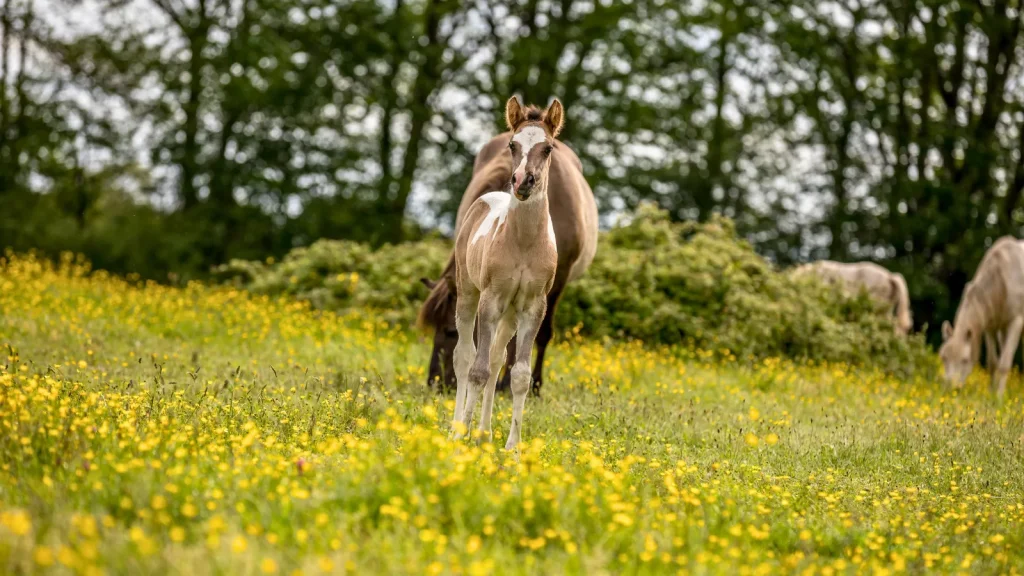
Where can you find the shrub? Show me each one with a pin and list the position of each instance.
(701, 286)
(339, 274)
(686, 284)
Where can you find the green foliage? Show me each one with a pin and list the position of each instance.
(269, 124)
(701, 286)
(339, 274)
(695, 285)
(199, 432)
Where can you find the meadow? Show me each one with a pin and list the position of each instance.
(200, 430)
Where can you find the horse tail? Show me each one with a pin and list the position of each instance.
(437, 308)
(903, 321)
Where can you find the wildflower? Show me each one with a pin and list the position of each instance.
(17, 521)
(238, 545)
(623, 519)
(67, 557)
(43, 556)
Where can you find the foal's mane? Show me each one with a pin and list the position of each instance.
(531, 114)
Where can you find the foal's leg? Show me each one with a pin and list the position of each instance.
(1009, 349)
(529, 323)
(506, 328)
(490, 312)
(465, 350)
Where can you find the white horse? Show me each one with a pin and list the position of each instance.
(883, 286)
(992, 306)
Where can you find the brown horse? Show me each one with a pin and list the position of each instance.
(574, 218)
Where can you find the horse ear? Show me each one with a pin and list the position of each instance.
(514, 115)
(428, 283)
(554, 117)
(947, 330)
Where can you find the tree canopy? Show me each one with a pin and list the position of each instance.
(173, 135)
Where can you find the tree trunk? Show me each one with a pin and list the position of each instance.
(420, 113)
(189, 160)
(7, 169)
(704, 198)
(385, 191)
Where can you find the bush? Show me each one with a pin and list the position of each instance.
(339, 274)
(700, 286)
(693, 285)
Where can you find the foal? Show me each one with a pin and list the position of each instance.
(505, 261)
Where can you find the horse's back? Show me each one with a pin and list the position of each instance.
(576, 213)
(854, 276)
(1001, 271)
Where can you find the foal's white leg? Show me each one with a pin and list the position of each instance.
(465, 350)
(489, 313)
(1009, 349)
(506, 328)
(529, 323)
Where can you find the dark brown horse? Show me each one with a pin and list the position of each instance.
(574, 216)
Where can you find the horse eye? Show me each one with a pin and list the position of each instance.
(548, 149)
(511, 145)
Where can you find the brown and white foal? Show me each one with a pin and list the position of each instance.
(505, 261)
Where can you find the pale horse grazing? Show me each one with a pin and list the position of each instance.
(887, 288)
(992, 306)
(505, 262)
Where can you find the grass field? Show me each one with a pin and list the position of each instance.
(200, 431)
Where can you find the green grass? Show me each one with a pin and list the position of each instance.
(204, 431)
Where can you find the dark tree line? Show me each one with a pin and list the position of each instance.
(177, 134)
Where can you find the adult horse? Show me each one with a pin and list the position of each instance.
(574, 218)
(992, 307)
(885, 287)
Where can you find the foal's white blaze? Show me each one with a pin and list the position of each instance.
(527, 138)
(551, 232)
(497, 202)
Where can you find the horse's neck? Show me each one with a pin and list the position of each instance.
(527, 220)
(980, 310)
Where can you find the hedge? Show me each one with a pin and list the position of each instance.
(695, 285)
